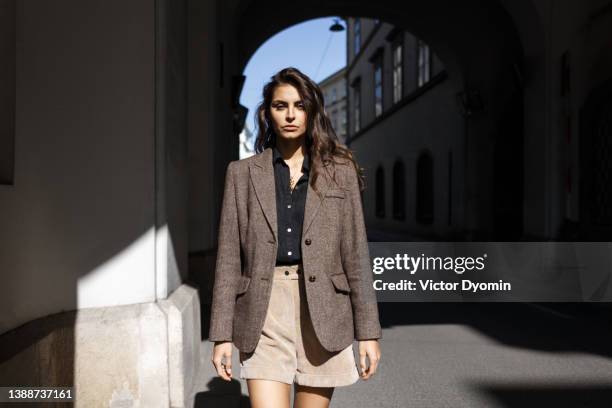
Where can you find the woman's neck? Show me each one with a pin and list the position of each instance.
(291, 150)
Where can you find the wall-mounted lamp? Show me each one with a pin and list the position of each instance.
(336, 26)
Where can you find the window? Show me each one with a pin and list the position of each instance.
(334, 119)
(397, 72)
(334, 95)
(343, 122)
(357, 36)
(380, 192)
(424, 189)
(357, 105)
(378, 88)
(398, 190)
(423, 63)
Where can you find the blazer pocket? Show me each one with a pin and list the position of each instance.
(243, 285)
(335, 192)
(340, 282)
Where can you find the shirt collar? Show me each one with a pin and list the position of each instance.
(276, 156)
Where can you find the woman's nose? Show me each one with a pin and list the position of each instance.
(290, 113)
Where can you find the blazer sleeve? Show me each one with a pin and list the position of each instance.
(228, 264)
(356, 263)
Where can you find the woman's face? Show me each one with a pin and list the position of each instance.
(287, 112)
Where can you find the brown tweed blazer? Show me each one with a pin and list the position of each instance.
(335, 257)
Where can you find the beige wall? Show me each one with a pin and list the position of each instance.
(77, 225)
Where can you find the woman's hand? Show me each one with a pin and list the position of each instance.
(371, 349)
(224, 368)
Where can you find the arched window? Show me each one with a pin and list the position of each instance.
(380, 192)
(398, 190)
(424, 189)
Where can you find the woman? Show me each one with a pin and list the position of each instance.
(293, 285)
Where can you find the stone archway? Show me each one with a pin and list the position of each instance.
(480, 47)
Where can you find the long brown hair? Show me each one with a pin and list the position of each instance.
(321, 140)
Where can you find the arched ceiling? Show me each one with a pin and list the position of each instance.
(465, 34)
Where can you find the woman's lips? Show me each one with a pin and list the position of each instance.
(290, 128)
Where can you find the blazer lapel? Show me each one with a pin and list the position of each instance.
(262, 176)
(261, 173)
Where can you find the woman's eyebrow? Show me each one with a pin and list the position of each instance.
(281, 101)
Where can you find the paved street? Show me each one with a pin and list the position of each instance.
(470, 355)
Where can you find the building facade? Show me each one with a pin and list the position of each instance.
(406, 132)
(334, 94)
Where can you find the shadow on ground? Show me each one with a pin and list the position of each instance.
(567, 327)
(222, 394)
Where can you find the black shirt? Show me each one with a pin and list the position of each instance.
(289, 209)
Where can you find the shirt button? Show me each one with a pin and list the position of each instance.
(289, 253)
(286, 272)
(288, 229)
(308, 241)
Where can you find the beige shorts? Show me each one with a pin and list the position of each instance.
(288, 349)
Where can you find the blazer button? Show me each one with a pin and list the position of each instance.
(308, 241)
(312, 278)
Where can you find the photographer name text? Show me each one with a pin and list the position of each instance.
(458, 265)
